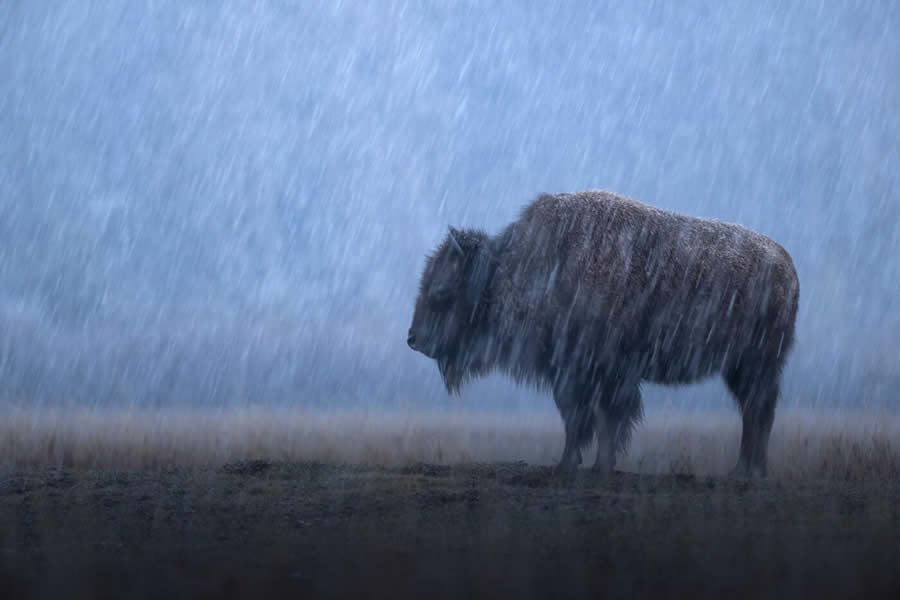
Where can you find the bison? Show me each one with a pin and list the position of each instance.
(590, 294)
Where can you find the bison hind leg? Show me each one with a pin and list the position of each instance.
(756, 392)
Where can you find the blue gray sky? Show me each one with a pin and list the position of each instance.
(222, 203)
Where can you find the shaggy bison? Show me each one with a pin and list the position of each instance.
(590, 294)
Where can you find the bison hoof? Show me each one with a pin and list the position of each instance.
(743, 470)
(566, 467)
(605, 469)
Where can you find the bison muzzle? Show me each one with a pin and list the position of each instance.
(590, 294)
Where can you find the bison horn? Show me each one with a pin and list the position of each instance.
(453, 234)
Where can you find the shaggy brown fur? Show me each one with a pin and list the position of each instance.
(591, 293)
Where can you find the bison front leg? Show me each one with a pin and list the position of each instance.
(578, 422)
(606, 450)
(615, 414)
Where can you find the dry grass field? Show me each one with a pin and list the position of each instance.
(804, 445)
(278, 503)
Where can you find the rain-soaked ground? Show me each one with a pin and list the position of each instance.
(256, 528)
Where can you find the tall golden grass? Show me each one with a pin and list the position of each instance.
(804, 444)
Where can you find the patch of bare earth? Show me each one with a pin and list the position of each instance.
(258, 528)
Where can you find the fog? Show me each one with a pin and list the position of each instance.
(205, 204)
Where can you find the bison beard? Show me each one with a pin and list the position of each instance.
(590, 294)
(451, 374)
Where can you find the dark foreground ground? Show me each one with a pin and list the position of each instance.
(262, 530)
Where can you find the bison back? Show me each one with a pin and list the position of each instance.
(621, 282)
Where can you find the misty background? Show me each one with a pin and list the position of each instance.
(230, 203)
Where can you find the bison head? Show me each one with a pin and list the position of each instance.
(448, 321)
